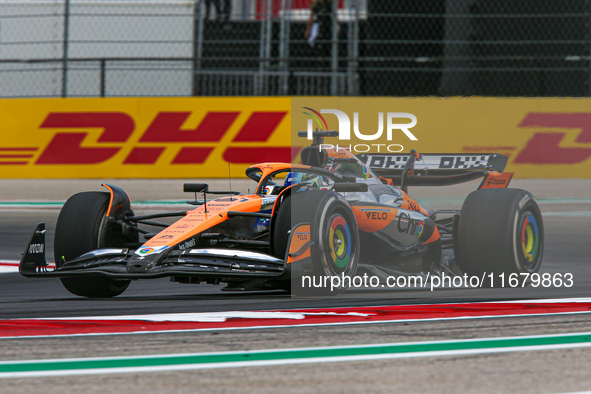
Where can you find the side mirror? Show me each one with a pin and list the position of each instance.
(195, 187)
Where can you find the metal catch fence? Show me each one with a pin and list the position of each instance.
(53, 48)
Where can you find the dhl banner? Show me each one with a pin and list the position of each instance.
(543, 137)
(208, 137)
(141, 137)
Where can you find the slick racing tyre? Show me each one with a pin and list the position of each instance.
(334, 235)
(500, 231)
(81, 227)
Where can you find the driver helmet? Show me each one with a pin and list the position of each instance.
(293, 178)
(358, 170)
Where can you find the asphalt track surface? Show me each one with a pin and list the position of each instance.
(568, 250)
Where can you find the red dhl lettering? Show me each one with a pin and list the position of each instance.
(65, 148)
(67, 145)
(543, 147)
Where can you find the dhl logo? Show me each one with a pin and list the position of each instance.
(67, 146)
(196, 137)
(544, 147)
(547, 144)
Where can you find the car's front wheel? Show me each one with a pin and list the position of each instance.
(81, 227)
(334, 252)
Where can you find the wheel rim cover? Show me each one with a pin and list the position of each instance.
(530, 237)
(340, 240)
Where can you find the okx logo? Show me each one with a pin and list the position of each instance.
(388, 123)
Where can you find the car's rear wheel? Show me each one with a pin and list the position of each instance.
(334, 235)
(81, 227)
(500, 231)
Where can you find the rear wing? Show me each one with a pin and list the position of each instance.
(438, 169)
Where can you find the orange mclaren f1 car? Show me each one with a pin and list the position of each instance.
(336, 214)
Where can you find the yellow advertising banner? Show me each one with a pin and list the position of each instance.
(206, 137)
(543, 137)
(141, 137)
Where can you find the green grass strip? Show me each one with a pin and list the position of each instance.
(287, 354)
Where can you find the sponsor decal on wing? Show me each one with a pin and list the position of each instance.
(144, 251)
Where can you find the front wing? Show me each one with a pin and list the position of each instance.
(121, 264)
